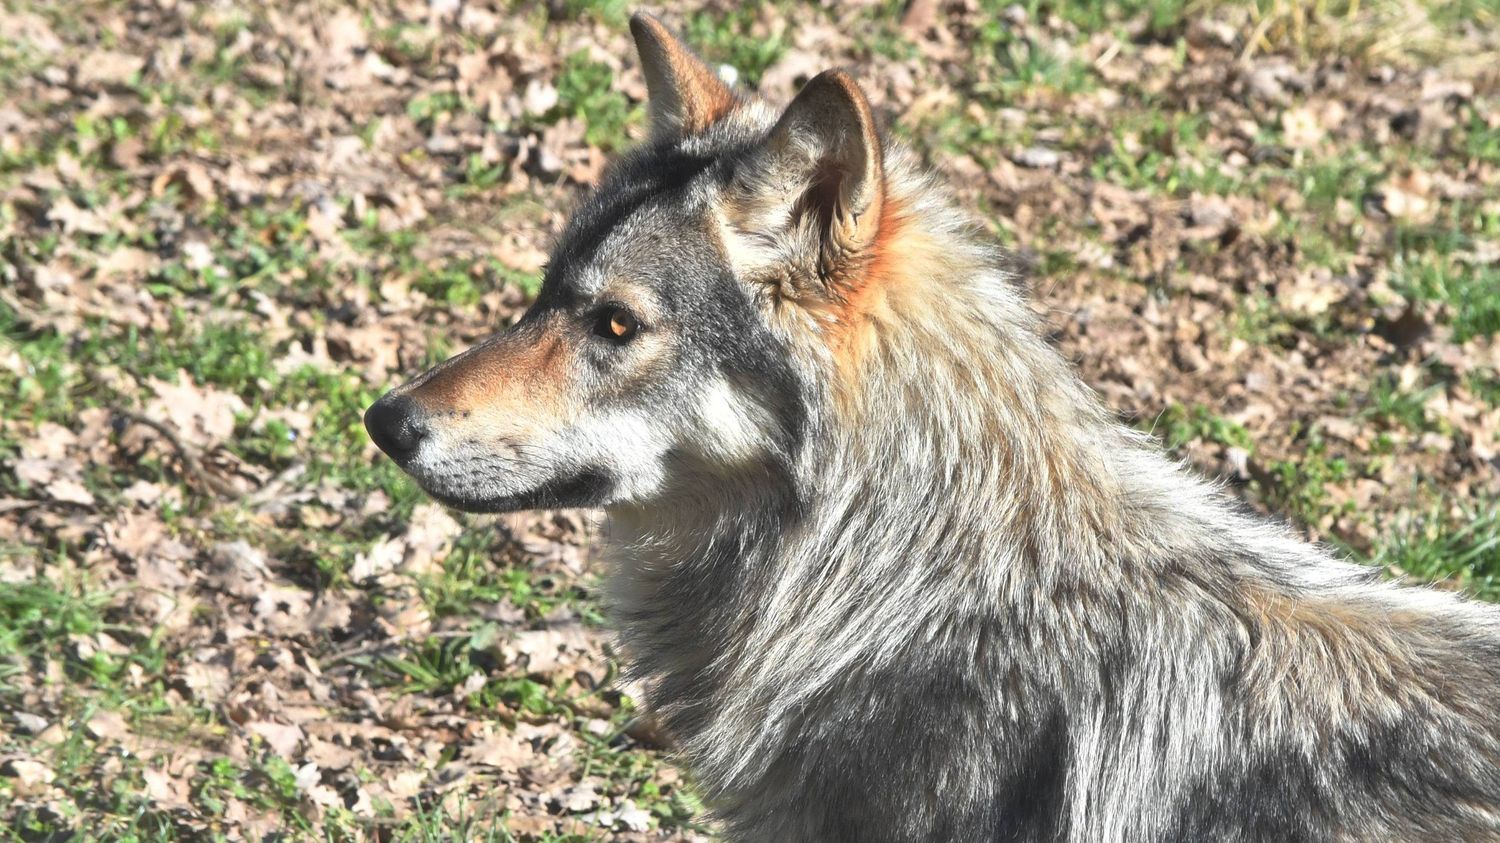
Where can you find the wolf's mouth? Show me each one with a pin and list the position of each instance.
(586, 489)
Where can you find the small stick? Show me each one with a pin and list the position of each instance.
(366, 649)
(190, 461)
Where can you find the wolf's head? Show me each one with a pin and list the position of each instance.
(716, 278)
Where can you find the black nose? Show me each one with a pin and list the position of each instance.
(397, 425)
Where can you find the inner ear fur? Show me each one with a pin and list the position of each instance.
(684, 97)
(826, 147)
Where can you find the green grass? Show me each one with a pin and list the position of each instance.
(1297, 488)
(1392, 404)
(1472, 293)
(585, 91)
(1458, 545)
(1178, 425)
(474, 573)
(1008, 65)
(612, 12)
(1432, 263)
(40, 618)
(1481, 141)
(1485, 385)
(727, 39)
(56, 383)
(1161, 16)
(1164, 152)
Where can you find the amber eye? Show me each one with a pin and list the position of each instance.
(617, 323)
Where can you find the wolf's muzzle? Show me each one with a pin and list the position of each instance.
(398, 425)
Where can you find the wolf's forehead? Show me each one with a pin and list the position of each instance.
(660, 235)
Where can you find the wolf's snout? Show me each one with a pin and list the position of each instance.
(397, 425)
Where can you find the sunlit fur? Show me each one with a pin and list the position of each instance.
(964, 602)
(982, 608)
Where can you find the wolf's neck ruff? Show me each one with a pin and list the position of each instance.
(952, 465)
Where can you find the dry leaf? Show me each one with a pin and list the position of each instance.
(107, 67)
(381, 558)
(109, 725)
(202, 416)
(283, 739)
(28, 772)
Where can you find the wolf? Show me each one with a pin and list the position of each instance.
(882, 564)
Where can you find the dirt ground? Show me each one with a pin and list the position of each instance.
(1270, 233)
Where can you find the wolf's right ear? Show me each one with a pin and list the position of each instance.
(684, 96)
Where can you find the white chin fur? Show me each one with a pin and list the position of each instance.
(631, 446)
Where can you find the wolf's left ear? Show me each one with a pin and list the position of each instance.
(684, 96)
(825, 156)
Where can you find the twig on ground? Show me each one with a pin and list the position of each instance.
(355, 652)
(192, 465)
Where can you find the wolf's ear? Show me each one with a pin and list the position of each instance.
(684, 95)
(824, 156)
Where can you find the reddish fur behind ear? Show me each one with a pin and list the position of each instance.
(864, 287)
(888, 286)
(878, 263)
(685, 96)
